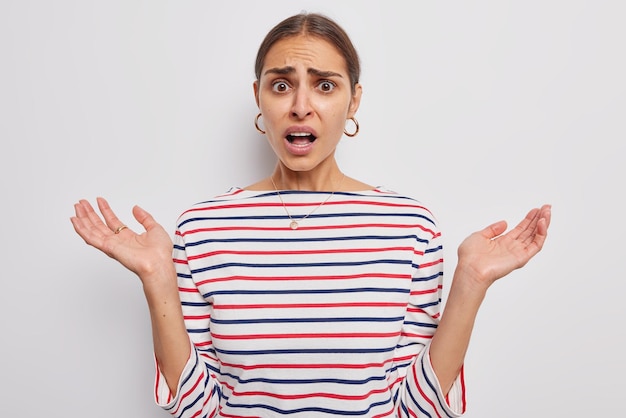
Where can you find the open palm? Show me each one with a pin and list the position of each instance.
(143, 253)
(488, 255)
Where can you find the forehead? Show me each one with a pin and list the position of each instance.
(309, 51)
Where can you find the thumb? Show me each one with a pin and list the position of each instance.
(494, 230)
(143, 217)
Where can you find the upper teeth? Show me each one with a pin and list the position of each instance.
(299, 134)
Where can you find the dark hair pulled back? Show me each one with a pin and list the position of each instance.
(313, 24)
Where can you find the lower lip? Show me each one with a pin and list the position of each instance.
(299, 149)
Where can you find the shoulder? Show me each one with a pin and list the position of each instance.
(235, 197)
(385, 193)
(404, 204)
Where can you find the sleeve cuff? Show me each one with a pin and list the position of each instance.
(162, 394)
(455, 402)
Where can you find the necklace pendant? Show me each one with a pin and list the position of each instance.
(293, 225)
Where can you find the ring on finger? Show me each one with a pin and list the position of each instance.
(120, 229)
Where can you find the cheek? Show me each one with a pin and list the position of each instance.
(271, 113)
(332, 110)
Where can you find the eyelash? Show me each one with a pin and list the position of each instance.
(276, 83)
(332, 85)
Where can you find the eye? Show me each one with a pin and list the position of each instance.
(326, 86)
(280, 87)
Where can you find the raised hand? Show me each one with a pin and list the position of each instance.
(145, 254)
(487, 255)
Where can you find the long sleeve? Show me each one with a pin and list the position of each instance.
(198, 391)
(419, 393)
(334, 318)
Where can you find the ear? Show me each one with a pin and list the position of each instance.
(355, 101)
(255, 87)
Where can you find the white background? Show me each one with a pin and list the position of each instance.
(479, 109)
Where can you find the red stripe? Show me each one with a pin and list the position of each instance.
(463, 389)
(384, 414)
(307, 366)
(197, 317)
(180, 401)
(419, 310)
(311, 395)
(311, 335)
(419, 388)
(432, 263)
(311, 228)
(412, 335)
(306, 278)
(424, 292)
(310, 305)
(306, 204)
(290, 252)
(157, 380)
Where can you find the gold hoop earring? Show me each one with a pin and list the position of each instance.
(356, 130)
(256, 124)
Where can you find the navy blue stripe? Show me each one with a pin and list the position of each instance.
(415, 402)
(306, 291)
(196, 304)
(291, 265)
(428, 305)
(410, 215)
(305, 320)
(312, 409)
(198, 330)
(433, 250)
(186, 379)
(432, 387)
(306, 381)
(427, 278)
(392, 196)
(420, 324)
(307, 351)
(292, 239)
(189, 406)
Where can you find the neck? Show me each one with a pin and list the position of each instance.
(328, 180)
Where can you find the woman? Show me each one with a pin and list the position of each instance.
(309, 293)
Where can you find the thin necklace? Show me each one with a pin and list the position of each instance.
(293, 224)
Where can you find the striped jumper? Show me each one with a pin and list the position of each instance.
(333, 319)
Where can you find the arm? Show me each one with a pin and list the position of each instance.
(198, 390)
(484, 257)
(149, 255)
(419, 393)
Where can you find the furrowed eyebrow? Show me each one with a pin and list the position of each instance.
(283, 70)
(324, 74)
(312, 71)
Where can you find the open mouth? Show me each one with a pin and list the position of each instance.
(301, 138)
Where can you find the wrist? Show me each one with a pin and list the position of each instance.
(162, 278)
(470, 280)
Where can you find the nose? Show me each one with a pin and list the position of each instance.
(301, 106)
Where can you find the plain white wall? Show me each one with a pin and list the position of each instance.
(480, 109)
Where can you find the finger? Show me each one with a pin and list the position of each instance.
(80, 229)
(494, 230)
(542, 225)
(525, 229)
(84, 226)
(83, 209)
(546, 213)
(89, 218)
(111, 219)
(538, 240)
(532, 229)
(541, 232)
